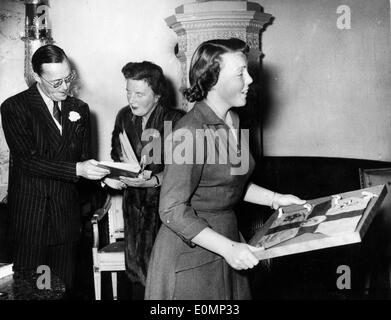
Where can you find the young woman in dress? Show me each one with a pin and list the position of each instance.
(198, 253)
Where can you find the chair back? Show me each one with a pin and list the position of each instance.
(374, 177)
(115, 218)
(382, 222)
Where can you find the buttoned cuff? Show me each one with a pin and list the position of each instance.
(190, 231)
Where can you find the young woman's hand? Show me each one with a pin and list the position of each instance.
(282, 200)
(139, 182)
(239, 256)
(114, 184)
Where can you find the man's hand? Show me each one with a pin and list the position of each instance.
(88, 169)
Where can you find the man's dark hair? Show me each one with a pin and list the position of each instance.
(49, 53)
(150, 73)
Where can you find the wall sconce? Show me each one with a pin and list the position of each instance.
(38, 32)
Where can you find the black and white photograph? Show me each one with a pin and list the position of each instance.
(194, 150)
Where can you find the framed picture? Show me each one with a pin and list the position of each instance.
(328, 222)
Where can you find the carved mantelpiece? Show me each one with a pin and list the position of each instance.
(204, 20)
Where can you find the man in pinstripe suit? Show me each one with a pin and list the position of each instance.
(48, 134)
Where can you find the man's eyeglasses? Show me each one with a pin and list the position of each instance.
(57, 83)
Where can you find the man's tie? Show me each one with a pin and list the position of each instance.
(56, 112)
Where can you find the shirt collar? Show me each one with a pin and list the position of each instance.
(207, 115)
(151, 116)
(46, 99)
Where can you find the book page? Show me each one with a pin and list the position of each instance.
(132, 167)
(127, 150)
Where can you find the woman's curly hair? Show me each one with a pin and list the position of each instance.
(152, 74)
(205, 65)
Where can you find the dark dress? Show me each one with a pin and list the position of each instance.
(195, 196)
(140, 205)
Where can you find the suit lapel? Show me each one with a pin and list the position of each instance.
(52, 134)
(68, 127)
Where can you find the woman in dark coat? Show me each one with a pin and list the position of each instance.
(198, 253)
(146, 114)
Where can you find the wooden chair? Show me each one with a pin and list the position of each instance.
(111, 257)
(379, 237)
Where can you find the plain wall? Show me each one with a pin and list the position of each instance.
(327, 90)
(101, 37)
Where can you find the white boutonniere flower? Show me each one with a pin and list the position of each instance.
(74, 116)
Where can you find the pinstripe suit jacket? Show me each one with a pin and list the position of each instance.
(42, 191)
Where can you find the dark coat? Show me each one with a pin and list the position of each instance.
(195, 196)
(141, 205)
(42, 193)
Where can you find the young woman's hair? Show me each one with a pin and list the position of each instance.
(205, 65)
(150, 73)
(49, 53)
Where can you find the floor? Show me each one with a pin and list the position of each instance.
(14, 289)
(84, 283)
(302, 276)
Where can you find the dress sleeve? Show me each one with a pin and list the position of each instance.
(179, 184)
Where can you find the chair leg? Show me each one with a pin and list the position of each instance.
(389, 274)
(114, 284)
(97, 284)
(367, 282)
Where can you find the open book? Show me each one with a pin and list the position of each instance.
(127, 151)
(118, 169)
(130, 167)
